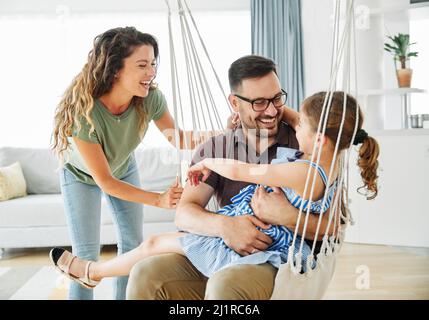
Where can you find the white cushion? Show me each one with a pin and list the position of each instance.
(158, 167)
(38, 165)
(33, 210)
(39, 219)
(12, 182)
(48, 210)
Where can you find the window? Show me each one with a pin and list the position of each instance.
(42, 53)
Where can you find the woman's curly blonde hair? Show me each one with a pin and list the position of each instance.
(96, 79)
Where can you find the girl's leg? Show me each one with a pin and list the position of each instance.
(128, 220)
(82, 205)
(121, 265)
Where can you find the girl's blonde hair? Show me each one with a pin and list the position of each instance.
(96, 79)
(368, 150)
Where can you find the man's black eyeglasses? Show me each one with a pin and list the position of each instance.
(261, 104)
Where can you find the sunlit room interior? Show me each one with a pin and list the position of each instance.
(384, 252)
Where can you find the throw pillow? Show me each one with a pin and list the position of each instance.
(39, 166)
(12, 182)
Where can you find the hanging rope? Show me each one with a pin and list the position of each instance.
(207, 55)
(204, 114)
(202, 111)
(175, 83)
(295, 261)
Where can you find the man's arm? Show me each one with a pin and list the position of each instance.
(239, 233)
(191, 215)
(274, 208)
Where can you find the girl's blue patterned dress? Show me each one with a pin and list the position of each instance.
(210, 254)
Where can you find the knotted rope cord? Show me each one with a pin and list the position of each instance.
(188, 63)
(201, 76)
(175, 83)
(207, 55)
(202, 103)
(194, 67)
(348, 216)
(194, 71)
(346, 85)
(327, 102)
(325, 112)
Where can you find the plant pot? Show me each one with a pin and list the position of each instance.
(404, 77)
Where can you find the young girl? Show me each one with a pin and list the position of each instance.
(288, 170)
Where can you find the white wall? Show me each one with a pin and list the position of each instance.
(395, 21)
(419, 25)
(399, 215)
(317, 41)
(85, 6)
(47, 46)
(374, 65)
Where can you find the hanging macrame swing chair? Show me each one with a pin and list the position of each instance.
(291, 281)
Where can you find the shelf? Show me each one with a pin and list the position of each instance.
(400, 132)
(400, 91)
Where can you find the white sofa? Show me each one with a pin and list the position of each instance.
(38, 220)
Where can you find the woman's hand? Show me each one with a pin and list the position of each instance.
(170, 198)
(196, 171)
(233, 121)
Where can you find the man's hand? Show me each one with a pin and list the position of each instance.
(272, 207)
(241, 235)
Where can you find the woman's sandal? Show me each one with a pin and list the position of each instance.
(63, 266)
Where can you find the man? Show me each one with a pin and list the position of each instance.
(257, 97)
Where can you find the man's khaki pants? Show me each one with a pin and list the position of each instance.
(172, 277)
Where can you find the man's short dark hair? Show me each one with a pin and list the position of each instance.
(251, 66)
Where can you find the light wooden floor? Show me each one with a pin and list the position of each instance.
(394, 273)
(390, 272)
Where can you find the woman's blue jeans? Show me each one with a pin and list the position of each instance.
(83, 212)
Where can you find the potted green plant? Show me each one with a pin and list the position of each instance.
(400, 50)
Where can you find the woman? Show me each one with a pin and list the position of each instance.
(99, 122)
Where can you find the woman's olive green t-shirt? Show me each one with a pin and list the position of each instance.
(118, 135)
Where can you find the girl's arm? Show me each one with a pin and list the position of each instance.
(290, 175)
(291, 117)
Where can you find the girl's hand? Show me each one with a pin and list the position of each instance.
(196, 171)
(170, 198)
